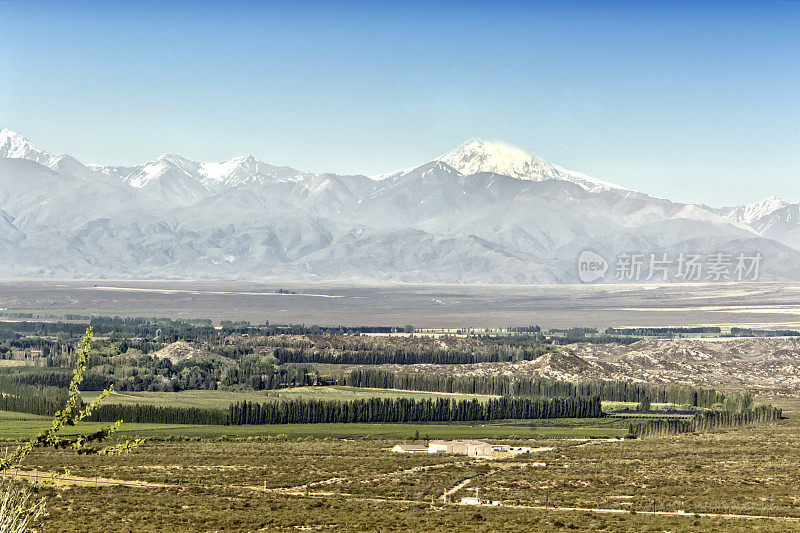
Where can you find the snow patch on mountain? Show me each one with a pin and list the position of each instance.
(245, 169)
(202, 178)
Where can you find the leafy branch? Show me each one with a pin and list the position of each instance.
(73, 412)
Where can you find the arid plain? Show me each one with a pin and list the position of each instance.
(431, 306)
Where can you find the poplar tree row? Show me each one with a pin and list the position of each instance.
(17, 395)
(157, 414)
(410, 356)
(621, 391)
(22, 398)
(705, 421)
(33, 404)
(376, 410)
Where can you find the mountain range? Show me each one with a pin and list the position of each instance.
(485, 212)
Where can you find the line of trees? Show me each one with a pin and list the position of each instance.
(39, 404)
(38, 377)
(169, 330)
(15, 330)
(16, 394)
(750, 332)
(374, 410)
(32, 403)
(411, 355)
(661, 332)
(705, 421)
(621, 391)
(310, 411)
(260, 373)
(152, 414)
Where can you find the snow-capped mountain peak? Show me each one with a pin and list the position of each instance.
(173, 159)
(498, 157)
(12, 143)
(750, 213)
(170, 165)
(765, 207)
(201, 178)
(15, 146)
(220, 171)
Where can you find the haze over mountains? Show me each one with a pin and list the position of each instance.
(484, 213)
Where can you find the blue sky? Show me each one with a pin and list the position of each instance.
(694, 103)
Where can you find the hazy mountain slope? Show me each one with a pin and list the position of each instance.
(750, 214)
(15, 146)
(771, 217)
(483, 213)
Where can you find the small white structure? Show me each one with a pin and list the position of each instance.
(410, 448)
(472, 448)
(476, 500)
(469, 500)
(437, 446)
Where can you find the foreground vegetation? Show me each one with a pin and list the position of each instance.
(246, 433)
(20, 509)
(361, 485)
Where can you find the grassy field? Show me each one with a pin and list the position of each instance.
(21, 426)
(216, 399)
(206, 399)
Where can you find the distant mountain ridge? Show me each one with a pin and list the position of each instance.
(485, 212)
(771, 217)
